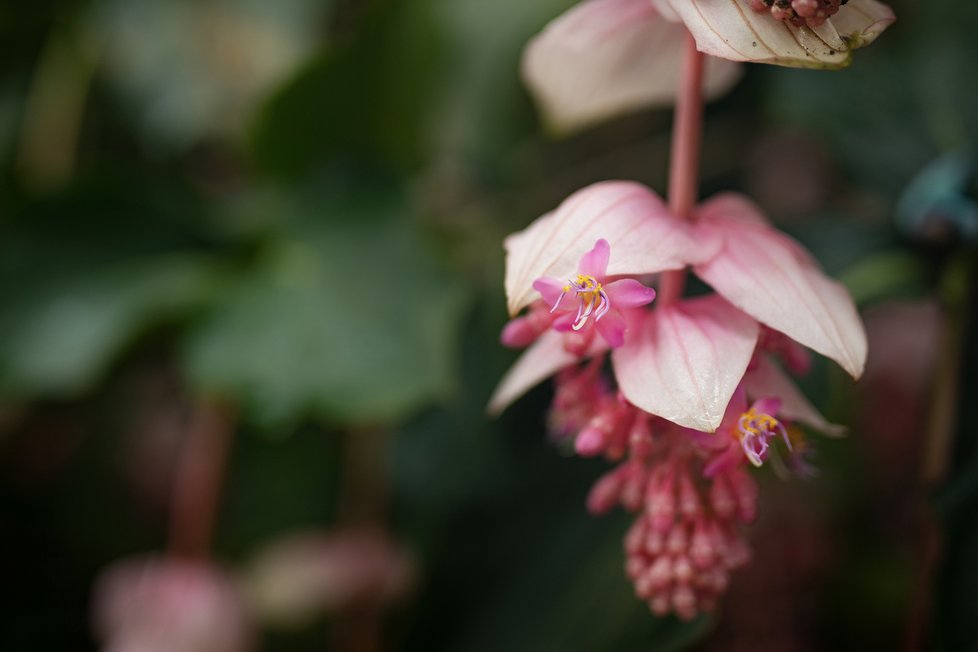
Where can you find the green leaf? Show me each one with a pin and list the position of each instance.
(61, 337)
(85, 272)
(204, 66)
(369, 97)
(346, 317)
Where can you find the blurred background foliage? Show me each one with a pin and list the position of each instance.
(296, 208)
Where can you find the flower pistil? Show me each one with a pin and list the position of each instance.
(593, 299)
(755, 430)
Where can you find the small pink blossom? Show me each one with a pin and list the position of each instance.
(590, 300)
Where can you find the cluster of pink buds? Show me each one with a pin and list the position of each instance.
(691, 495)
(812, 13)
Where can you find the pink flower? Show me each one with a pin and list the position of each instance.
(157, 604)
(683, 361)
(584, 301)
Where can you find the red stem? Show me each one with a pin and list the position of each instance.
(684, 162)
(198, 479)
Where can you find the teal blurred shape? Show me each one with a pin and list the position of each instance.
(939, 205)
(344, 315)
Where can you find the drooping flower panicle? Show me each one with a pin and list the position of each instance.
(674, 413)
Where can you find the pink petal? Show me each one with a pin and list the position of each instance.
(551, 289)
(544, 358)
(628, 293)
(595, 262)
(683, 362)
(612, 328)
(730, 29)
(767, 379)
(644, 238)
(773, 279)
(767, 405)
(565, 322)
(605, 58)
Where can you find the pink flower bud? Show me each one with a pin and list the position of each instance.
(689, 499)
(682, 569)
(606, 491)
(721, 499)
(701, 548)
(684, 602)
(660, 604)
(660, 499)
(678, 540)
(590, 442)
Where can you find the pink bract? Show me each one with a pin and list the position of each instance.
(604, 58)
(731, 29)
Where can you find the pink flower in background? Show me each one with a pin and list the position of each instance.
(168, 605)
(303, 575)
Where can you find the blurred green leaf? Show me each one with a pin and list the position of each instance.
(371, 97)
(204, 66)
(347, 317)
(84, 272)
(884, 276)
(60, 337)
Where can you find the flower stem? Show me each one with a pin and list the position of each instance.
(684, 160)
(198, 479)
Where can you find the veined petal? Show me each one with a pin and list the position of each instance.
(683, 362)
(767, 379)
(773, 279)
(645, 238)
(543, 359)
(730, 29)
(629, 293)
(605, 58)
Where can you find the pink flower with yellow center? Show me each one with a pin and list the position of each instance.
(588, 299)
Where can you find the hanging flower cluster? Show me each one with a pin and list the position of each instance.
(683, 397)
